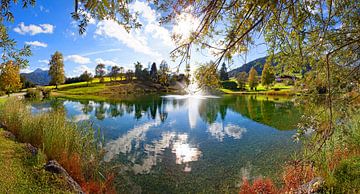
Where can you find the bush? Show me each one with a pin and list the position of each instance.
(38, 93)
(2, 93)
(347, 176)
(231, 85)
(33, 93)
(74, 146)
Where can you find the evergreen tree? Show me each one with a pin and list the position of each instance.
(56, 70)
(223, 73)
(154, 73)
(100, 71)
(253, 80)
(267, 76)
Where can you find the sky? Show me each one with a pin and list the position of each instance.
(48, 27)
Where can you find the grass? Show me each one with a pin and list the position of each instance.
(2, 100)
(73, 145)
(276, 89)
(22, 172)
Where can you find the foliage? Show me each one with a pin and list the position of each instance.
(207, 76)
(115, 72)
(252, 79)
(38, 93)
(164, 78)
(129, 75)
(10, 77)
(232, 85)
(100, 72)
(153, 72)
(241, 79)
(56, 70)
(71, 144)
(187, 74)
(10, 52)
(87, 77)
(268, 75)
(138, 70)
(259, 186)
(223, 73)
(347, 176)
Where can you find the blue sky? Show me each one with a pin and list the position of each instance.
(48, 27)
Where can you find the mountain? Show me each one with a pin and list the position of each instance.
(258, 64)
(38, 77)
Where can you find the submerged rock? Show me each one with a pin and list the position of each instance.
(54, 167)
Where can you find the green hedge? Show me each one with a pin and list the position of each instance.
(231, 85)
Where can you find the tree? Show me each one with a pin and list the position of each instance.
(154, 73)
(241, 79)
(56, 70)
(115, 72)
(87, 77)
(164, 71)
(207, 76)
(138, 70)
(129, 75)
(145, 75)
(10, 77)
(100, 71)
(223, 73)
(121, 73)
(253, 80)
(267, 76)
(187, 74)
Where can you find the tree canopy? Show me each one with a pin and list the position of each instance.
(253, 79)
(10, 77)
(56, 69)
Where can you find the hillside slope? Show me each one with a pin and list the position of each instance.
(38, 77)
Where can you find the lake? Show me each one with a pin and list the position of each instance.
(182, 144)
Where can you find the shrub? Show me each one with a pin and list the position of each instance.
(259, 185)
(347, 176)
(38, 93)
(33, 93)
(231, 85)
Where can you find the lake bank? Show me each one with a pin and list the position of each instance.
(22, 172)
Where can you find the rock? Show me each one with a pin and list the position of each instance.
(33, 150)
(311, 187)
(9, 135)
(54, 167)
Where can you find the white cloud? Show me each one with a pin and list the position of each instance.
(81, 69)
(102, 51)
(106, 62)
(43, 9)
(46, 61)
(37, 44)
(133, 40)
(152, 27)
(78, 59)
(33, 29)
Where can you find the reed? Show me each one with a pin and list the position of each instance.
(73, 145)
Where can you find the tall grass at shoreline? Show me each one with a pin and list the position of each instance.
(73, 145)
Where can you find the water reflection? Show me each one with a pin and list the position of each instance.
(167, 143)
(219, 130)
